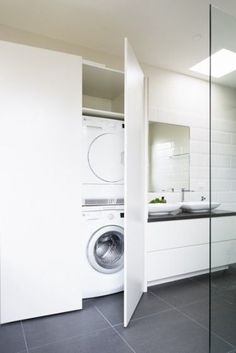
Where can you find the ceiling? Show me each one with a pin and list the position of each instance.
(172, 34)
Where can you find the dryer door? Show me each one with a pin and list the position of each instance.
(106, 157)
(105, 250)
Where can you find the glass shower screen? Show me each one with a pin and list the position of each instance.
(223, 180)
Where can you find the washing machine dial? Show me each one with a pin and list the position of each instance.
(110, 216)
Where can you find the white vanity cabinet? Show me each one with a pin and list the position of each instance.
(179, 249)
(223, 238)
(175, 248)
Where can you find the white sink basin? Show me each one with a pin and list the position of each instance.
(199, 206)
(163, 208)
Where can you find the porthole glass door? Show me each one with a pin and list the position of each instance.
(105, 250)
(106, 157)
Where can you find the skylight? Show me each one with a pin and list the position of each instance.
(222, 63)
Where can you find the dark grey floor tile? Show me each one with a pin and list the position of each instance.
(209, 284)
(149, 305)
(181, 293)
(224, 279)
(218, 345)
(229, 295)
(169, 332)
(198, 311)
(220, 280)
(112, 307)
(58, 327)
(102, 341)
(11, 338)
(202, 279)
(223, 317)
(223, 321)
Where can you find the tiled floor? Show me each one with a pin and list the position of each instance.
(170, 319)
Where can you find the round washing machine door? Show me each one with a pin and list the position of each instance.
(105, 249)
(106, 157)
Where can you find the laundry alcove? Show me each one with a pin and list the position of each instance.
(40, 172)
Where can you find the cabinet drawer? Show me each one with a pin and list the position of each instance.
(170, 263)
(223, 253)
(175, 262)
(223, 228)
(175, 234)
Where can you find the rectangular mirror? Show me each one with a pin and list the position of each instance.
(169, 157)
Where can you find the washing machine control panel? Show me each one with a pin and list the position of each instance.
(102, 214)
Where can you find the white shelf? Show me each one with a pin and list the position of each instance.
(102, 82)
(179, 156)
(101, 66)
(102, 113)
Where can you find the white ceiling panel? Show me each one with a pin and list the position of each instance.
(172, 34)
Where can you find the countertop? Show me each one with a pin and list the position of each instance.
(186, 215)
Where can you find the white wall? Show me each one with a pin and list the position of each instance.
(224, 146)
(180, 99)
(19, 36)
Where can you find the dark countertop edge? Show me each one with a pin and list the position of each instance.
(185, 215)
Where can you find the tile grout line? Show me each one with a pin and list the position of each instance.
(212, 332)
(173, 306)
(115, 330)
(195, 321)
(184, 306)
(198, 281)
(145, 316)
(66, 339)
(123, 339)
(24, 336)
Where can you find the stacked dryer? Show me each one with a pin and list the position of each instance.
(103, 199)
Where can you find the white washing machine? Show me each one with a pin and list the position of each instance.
(103, 251)
(103, 160)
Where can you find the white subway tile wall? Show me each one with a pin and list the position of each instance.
(178, 99)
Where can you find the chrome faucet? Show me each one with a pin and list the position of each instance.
(183, 191)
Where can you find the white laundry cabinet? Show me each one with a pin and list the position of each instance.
(41, 106)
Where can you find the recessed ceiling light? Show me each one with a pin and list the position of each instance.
(222, 63)
(197, 37)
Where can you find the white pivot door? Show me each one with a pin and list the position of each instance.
(134, 183)
(40, 173)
